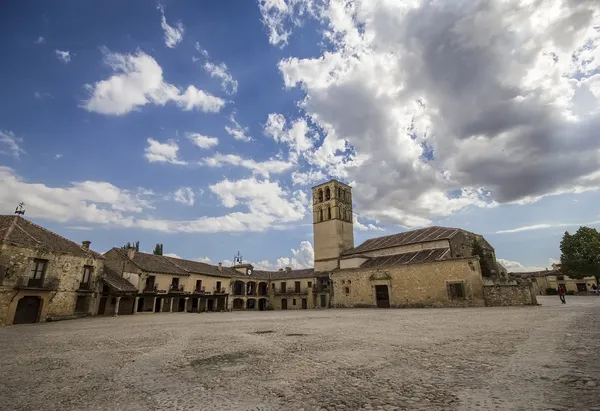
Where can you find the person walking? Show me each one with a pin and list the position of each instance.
(561, 294)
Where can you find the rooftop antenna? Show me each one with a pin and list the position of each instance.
(237, 259)
(20, 210)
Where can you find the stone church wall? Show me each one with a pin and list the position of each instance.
(417, 285)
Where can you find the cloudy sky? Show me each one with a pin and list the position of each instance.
(203, 125)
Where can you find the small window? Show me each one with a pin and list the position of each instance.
(456, 291)
(329, 213)
(218, 287)
(349, 281)
(273, 286)
(294, 301)
(198, 285)
(347, 290)
(560, 277)
(175, 283)
(309, 284)
(87, 271)
(297, 287)
(283, 287)
(38, 270)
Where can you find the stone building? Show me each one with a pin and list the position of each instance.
(429, 267)
(552, 279)
(44, 276)
(139, 283)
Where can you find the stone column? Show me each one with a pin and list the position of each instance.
(171, 305)
(185, 306)
(205, 304)
(116, 313)
(153, 304)
(162, 304)
(135, 305)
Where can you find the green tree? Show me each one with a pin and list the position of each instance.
(580, 253)
(129, 245)
(484, 260)
(158, 250)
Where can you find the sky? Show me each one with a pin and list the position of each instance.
(202, 125)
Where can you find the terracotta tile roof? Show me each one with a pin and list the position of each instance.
(416, 257)
(408, 237)
(154, 263)
(197, 267)
(116, 282)
(17, 230)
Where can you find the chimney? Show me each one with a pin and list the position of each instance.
(220, 266)
(131, 253)
(281, 269)
(288, 269)
(86, 244)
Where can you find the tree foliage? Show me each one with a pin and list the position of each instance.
(158, 250)
(484, 261)
(134, 245)
(580, 253)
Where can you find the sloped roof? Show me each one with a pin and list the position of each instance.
(154, 263)
(17, 230)
(416, 257)
(116, 282)
(197, 267)
(408, 237)
(289, 275)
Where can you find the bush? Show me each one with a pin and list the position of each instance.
(551, 291)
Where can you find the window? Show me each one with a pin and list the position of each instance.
(36, 276)
(297, 287)
(218, 286)
(175, 283)
(560, 277)
(456, 291)
(349, 281)
(320, 215)
(294, 301)
(198, 285)
(347, 290)
(327, 193)
(283, 287)
(150, 283)
(329, 213)
(273, 286)
(320, 195)
(87, 271)
(309, 284)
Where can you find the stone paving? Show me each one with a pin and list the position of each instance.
(513, 358)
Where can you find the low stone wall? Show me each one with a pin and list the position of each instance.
(501, 295)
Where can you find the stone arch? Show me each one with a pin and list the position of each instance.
(320, 215)
(327, 194)
(329, 213)
(320, 195)
(28, 310)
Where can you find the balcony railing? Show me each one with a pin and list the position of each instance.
(200, 290)
(222, 290)
(38, 283)
(175, 289)
(323, 288)
(87, 286)
(151, 288)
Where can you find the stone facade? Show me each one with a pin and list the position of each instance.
(456, 282)
(500, 295)
(60, 293)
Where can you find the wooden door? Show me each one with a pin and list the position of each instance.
(28, 310)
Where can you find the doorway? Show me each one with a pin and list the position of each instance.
(304, 303)
(157, 305)
(28, 310)
(284, 303)
(181, 307)
(262, 304)
(102, 306)
(210, 305)
(323, 300)
(382, 296)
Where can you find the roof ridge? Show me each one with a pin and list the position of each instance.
(10, 229)
(86, 250)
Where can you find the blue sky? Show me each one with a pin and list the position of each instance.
(205, 131)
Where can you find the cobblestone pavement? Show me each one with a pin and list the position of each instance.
(514, 358)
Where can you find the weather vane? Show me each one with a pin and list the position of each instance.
(237, 259)
(20, 209)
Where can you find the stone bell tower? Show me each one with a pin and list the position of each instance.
(332, 223)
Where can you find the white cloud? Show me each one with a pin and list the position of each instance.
(368, 227)
(40, 40)
(544, 226)
(138, 80)
(237, 131)
(296, 136)
(303, 257)
(203, 260)
(9, 143)
(307, 177)
(63, 56)
(516, 267)
(173, 35)
(228, 83)
(39, 95)
(57, 156)
(202, 141)
(172, 255)
(158, 152)
(382, 99)
(184, 195)
(259, 205)
(263, 168)
(87, 201)
(201, 50)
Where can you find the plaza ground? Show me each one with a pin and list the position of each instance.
(513, 358)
